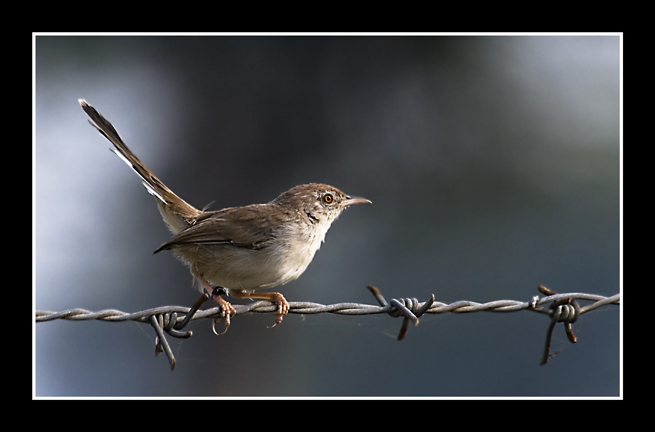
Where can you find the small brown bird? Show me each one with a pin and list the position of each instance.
(241, 249)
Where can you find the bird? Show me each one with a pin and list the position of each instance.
(239, 250)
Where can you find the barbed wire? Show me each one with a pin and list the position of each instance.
(173, 319)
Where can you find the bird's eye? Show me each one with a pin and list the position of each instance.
(328, 198)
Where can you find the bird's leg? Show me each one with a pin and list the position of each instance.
(282, 304)
(215, 294)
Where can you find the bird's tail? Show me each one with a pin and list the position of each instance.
(177, 213)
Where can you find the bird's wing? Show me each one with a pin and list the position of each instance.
(250, 227)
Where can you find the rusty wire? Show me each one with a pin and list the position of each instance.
(173, 319)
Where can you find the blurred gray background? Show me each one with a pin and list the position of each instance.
(492, 163)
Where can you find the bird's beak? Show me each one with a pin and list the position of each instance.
(355, 200)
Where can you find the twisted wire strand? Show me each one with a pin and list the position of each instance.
(462, 306)
(561, 308)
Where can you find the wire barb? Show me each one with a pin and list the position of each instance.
(411, 309)
(161, 344)
(567, 311)
(173, 319)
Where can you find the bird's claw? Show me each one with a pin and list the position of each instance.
(282, 309)
(227, 311)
